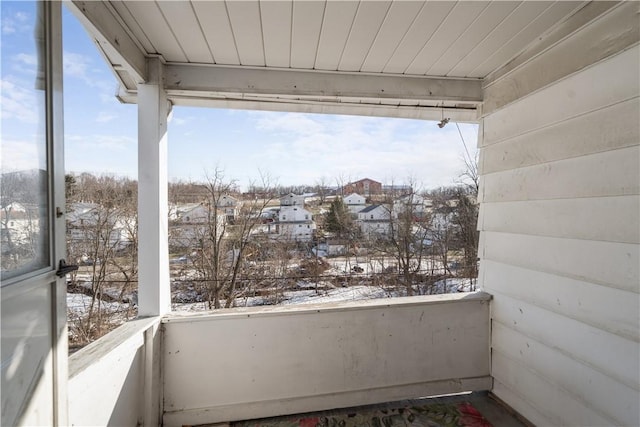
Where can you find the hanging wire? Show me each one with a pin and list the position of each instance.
(464, 144)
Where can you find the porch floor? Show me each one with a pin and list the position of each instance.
(472, 409)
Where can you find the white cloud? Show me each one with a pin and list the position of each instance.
(25, 64)
(17, 23)
(101, 153)
(101, 142)
(20, 103)
(76, 65)
(180, 121)
(81, 67)
(104, 117)
(350, 148)
(23, 154)
(300, 124)
(25, 58)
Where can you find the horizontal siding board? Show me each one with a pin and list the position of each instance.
(611, 398)
(611, 173)
(583, 301)
(608, 353)
(521, 406)
(600, 130)
(612, 32)
(609, 264)
(613, 219)
(560, 407)
(606, 83)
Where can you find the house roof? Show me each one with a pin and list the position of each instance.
(363, 180)
(414, 59)
(370, 208)
(354, 194)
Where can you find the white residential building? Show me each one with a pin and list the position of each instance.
(416, 203)
(375, 220)
(355, 202)
(85, 221)
(292, 200)
(229, 205)
(192, 224)
(19, 225)
(295, 223)
(196, 214)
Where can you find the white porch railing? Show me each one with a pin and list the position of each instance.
(115, 380)
(259, 362)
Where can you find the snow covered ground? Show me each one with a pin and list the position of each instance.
(327, 295)
(79, 304)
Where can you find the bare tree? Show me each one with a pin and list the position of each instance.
(221, 246)
(321, 188)
(465, 217)
(466, 214)
(23, 226)
(102, 236)
(409, 230)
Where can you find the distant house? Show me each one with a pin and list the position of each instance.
(414, 203)
(354, 203)
(229, 205)
(295, 223)
(334, 247)
(195, 214)
(397, 189)
(192, 224)
(19, 225)
(366, 187)
(86, 221)
(292, 200)
(375, 220)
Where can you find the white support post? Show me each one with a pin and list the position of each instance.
(154, 294)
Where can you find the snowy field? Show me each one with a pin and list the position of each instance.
(328, 295)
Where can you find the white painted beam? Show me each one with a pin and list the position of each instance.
(114, 41)
(154, 296)
(329, 107)
(249, 80)
(262, 103)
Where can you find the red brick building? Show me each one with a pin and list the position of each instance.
(365, 187)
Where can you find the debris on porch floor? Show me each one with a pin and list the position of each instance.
(473, 409)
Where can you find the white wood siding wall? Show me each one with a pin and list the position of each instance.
(560, 228)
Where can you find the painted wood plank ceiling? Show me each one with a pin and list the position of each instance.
(432, 38)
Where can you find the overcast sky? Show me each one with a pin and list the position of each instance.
(101, 133)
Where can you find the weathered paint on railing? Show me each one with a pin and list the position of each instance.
(115, 380)
(249, 363)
